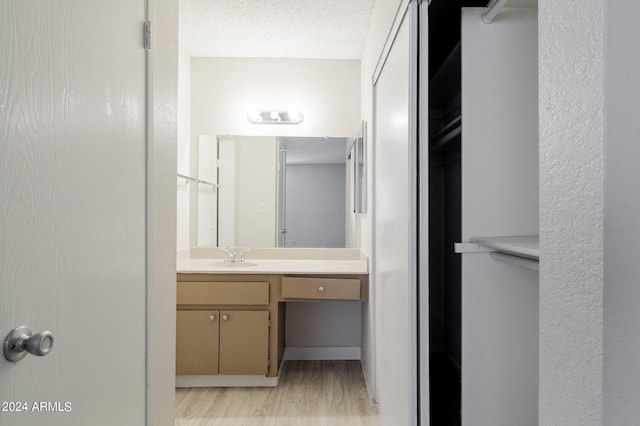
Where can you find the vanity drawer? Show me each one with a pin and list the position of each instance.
(321, 288)
(223, 293)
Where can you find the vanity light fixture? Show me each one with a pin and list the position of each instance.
(275, 116)
(254, 116)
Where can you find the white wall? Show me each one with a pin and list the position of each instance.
(316, 205)
(183, 148)
(381, 21)
(247, 192)
(621, 388)
(224, 90)
(256, 182)
(207, 195)
(589, 299)
(337, 324)
(571, 79)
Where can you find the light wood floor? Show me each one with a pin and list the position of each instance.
(323, 393)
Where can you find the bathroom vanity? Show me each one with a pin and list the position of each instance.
(231, 315)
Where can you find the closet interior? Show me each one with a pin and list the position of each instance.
(483, 177)
(445, 195)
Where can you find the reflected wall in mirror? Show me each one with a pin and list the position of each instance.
(276, 191)
(313, 192)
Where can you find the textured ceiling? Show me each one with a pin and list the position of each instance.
(323, 29)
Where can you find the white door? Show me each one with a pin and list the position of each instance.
(72, 209)
(395, 211)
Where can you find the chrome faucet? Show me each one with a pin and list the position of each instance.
(233, 256)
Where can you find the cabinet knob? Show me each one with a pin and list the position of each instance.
(321, 289)
(225, 317)
(212, 317)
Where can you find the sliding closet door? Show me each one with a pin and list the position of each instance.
(395, 206)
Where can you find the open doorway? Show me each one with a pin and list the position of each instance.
(259, 57)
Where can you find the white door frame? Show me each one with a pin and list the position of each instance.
(162, 84)
(423, 212)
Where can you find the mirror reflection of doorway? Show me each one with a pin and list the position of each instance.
(281, 227)
(312, 177)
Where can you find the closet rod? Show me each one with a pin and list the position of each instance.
(213, 185)
(522, 262)
(493, 8)
(191, 179)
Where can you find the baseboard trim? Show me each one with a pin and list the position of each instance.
(325, 353)
(225, 381)
(372, 397)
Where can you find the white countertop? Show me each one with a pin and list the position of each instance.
(275, 261)
(524, 246)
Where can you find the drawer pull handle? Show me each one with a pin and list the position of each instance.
(212, 317)
(225, 317)
(321, 289)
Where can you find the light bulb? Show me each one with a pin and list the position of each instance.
(254, 116)
(294, 115)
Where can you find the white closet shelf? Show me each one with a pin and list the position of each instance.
(527, 246)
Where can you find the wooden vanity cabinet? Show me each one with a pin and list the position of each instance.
(197, 342)
(210, 342)
(244, 342)
(313, 288)
(234, 324)
(222, 327)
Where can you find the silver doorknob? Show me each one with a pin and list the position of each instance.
(212, 317)
(321, 289)
(21, 341)
(225, 317)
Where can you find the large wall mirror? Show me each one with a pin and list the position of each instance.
(266, 191)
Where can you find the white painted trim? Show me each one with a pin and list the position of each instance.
(412, 15)
(226, 381)
(372, 396)
(161, 213)
(327, 353)
(393, 31)
(423, 216)
(373, 255)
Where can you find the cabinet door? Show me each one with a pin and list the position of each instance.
(244, 342)
(197, 337)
